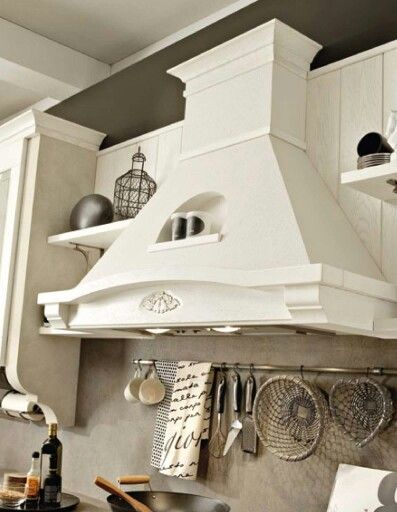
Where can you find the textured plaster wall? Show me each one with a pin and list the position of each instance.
(113, 437)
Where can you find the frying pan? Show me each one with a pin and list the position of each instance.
(164, 501)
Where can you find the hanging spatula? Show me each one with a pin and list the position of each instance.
(236, 426)
(249, 442)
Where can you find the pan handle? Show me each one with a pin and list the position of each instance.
(110, 487)
(133, 479)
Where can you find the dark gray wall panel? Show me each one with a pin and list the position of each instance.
(143, 97)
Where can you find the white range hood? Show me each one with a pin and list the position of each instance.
(281, 253)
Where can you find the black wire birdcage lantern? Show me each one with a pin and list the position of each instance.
(133, 189)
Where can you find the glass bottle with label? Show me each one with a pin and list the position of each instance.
(52, 488)
(32, 487)
(51, 457)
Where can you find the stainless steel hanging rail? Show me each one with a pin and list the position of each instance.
(376, 370)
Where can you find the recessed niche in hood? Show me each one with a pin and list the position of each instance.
(286, 255)
(213, 203)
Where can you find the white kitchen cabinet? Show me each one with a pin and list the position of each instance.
(12, 161)
(46, 165)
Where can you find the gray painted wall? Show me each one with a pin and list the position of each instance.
(143, 97)
(114, 437)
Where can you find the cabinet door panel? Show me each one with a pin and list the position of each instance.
(4, 189)
(11, 185)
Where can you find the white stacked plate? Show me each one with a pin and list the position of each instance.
(373, 159)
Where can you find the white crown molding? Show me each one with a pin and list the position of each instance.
(141, 138)
(358, 57)
(179, 35)
(34, 122)
(277, 40)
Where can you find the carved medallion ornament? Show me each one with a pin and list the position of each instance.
(160, 302)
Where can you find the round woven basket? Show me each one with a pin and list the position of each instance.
(290, 416)
(361, 407)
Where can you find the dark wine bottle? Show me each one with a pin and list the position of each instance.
(52, 489)
(51, 458)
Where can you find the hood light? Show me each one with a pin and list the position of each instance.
(227, 329)
(157, 331)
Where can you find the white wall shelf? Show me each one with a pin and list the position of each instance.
(373, 181)
(185, 242)
(97, 237)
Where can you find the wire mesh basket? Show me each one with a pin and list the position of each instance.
(290, 416)
(361, 407)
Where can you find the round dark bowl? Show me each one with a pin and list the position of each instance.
(169, 502)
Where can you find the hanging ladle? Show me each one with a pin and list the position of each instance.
(113, 489)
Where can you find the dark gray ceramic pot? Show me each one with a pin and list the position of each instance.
(91, 210)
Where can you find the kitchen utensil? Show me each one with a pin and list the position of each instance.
(290, 416)
(133, 480)
(152, 390)
(361, 407)
(68, 503)
(373, 159)
(236, 426)
(166, 501)
(131, 391)
(218, 440)
(249, 441)
(117, 492)
(373, 142)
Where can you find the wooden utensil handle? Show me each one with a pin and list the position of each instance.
(113, 489)
(133, 479)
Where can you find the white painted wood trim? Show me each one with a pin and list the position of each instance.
(311, 305)
(283, 276)
(232, 141)
(45, 59)
(282, 40)
(367, 54)
(92, 333)
(190, 241)
(97, 237)
(10, 238)
(179, 35)
(141, 138)
(373, 181)
(34, 122)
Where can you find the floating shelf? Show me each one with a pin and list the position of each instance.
(373, 181)
(185, 242)
(97, 237)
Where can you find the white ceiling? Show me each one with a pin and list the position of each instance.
(14, 99)
(108, 30)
